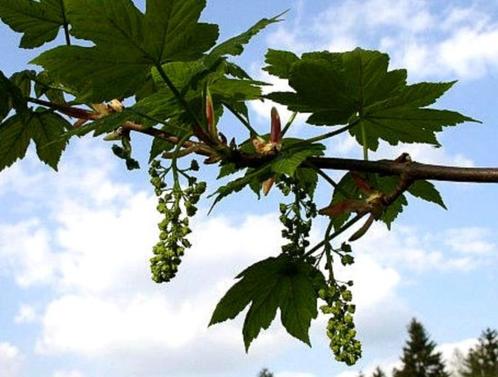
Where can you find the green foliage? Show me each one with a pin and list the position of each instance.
(283, 283)
(348, 190)
(39, 21)
(11, 97)
(265, 373)
(160, 73)
(357, 88)
(42, 127)
(482, 360)
(235, 46)
(378, 372)
(125, 58)
(294, 152)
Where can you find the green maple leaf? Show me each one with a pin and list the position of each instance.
(279, 63)
(294, 152)
(357, 88)
(426, 191)
(235, 46)
(11, 97)
(128, 44)
(274, 283)
(39, 21)
(44, 128)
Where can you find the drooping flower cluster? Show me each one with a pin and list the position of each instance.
(177, 205)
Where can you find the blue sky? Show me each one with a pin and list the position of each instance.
(77, 300)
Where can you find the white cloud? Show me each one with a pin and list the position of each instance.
(95, 326)
(374, 283)
(430, 39)
(346, 145)
(293, 374)
(422, 252)
(10, 360)
(94, 258)
(68, 373)
(95, 262)
(26, 314)
(92, 250)
(452, 352)
(25, 251)
(471, 240)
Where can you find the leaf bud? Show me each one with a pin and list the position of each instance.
(276, 127)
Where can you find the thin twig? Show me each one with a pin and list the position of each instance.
(289, 123)
(341, 230)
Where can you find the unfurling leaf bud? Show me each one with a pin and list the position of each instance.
(210, 117)
(268, 184)
(276, 127)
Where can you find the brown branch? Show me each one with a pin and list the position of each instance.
(154, 132)
(74, 112)
(410, 170)
(413, 170)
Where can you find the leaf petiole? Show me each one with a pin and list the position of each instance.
(289, 123)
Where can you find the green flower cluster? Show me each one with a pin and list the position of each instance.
(176, 204)
(340, 327)
(296, 217)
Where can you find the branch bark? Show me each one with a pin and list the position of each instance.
(412, 170)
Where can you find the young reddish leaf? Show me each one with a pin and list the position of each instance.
(210, 116)
(276, 126)
(361, 183)
(268, 184)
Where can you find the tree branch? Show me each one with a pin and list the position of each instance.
(413, 170)
(409, 169)
(154, 132)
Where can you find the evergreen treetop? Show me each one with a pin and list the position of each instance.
(482, 360)
(378, 372)
(419, 356)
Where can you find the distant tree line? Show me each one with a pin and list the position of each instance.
(420, 358)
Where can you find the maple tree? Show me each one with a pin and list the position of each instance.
(162, 73)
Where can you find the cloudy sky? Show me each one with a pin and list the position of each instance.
(77, 300)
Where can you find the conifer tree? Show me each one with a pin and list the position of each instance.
(265, 373)
(419, 356)
(482, 360)
(378, 372)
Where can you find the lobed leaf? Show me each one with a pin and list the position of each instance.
(294, 152)
(279, 63)
(356, 87)
(128, 44)
(11, 97)
(425, 190)
(235, 46)
(274, 283)
(39, 21)
(43, 128)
